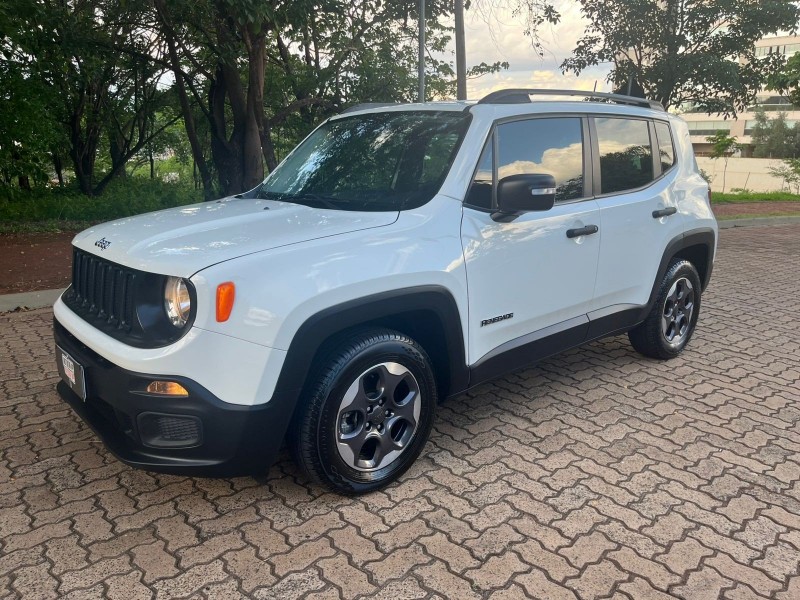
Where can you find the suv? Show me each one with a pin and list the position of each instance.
(398, 256)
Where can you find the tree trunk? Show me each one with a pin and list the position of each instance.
(23, 181)
(59, 168)
(186, 108)
(724, 175)
(238, 156)
(83, 158)
(252, 164)
(461, 52)
(117, 153)
(152, 165)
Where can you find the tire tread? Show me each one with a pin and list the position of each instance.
(646, 338)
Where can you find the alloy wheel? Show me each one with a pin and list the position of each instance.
(378, 416)
(676, 318)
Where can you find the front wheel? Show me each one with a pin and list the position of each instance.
(368, 414)
(672, 320)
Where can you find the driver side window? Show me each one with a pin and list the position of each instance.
(550, 146)
(546, 146)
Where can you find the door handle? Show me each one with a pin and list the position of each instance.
(588, 230)
(664, 212)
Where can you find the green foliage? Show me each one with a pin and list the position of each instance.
(787, 79)
(789, 173)
(773, 138)
(683, 51)
(214, 90)
(722, 144)
(746, 196)
(121, 198)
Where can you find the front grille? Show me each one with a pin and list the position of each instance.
(102, 291)
(124, 303)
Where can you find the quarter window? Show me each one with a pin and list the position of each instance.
(666, 152)
(544, 146)
(480, 192)
(626, 157)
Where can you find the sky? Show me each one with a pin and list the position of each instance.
(500, 37)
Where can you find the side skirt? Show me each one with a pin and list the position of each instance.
(529, 349)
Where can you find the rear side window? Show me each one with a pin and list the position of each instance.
(547, 147)
(626, 157)
(666, 151)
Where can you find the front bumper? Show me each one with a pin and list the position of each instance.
(195, 435)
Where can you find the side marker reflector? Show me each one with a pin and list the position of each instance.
(226, 294)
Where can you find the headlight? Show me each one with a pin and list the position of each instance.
(177, 302)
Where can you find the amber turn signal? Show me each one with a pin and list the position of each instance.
(166, 388)
(226, 294)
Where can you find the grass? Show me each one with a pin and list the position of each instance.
(46, 209)
(747, 197)
(48, 226)
(757, 215)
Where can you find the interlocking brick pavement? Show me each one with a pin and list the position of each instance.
(596, 474)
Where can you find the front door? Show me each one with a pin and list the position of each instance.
(534, 276)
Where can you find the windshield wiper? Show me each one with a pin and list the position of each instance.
(326, 201)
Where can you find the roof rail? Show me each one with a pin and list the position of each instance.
(522, 96)
(366, 106)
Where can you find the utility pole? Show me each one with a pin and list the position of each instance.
(421, 65)
(461, 52)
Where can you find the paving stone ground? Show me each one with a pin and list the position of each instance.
(596, 474)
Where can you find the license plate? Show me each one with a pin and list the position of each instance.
(71, 372)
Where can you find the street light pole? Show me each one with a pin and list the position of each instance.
(461, 53)
(421, 63)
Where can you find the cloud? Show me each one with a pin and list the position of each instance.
(562, 163)
(494, 34)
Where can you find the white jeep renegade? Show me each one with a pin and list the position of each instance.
(398, 256)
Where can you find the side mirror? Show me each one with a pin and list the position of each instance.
(525, 193)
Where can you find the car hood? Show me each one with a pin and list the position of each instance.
(182, 241)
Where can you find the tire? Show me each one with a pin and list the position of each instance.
(367, 414)
(672, 320)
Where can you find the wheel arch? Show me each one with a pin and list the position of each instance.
(696, 246)
(428, 314)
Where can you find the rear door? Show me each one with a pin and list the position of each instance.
(638, 212)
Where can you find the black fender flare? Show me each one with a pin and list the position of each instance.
(375, 310)
(705, 237)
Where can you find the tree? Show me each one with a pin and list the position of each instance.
(258, 69)
(723, 145)
(28, 135)
(683, 51)
(789, 173)
(102, 68)
(787, 79)
(535, 13)
(774, 138)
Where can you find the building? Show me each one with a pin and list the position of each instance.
(702, 125)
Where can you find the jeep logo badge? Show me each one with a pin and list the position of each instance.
(102, 243)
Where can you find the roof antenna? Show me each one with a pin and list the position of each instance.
(595, 86)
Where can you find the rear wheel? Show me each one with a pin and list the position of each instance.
(672, 320)
(369, 412)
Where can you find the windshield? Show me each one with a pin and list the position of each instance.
(373, 162)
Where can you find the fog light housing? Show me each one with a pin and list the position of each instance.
(166, 388)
